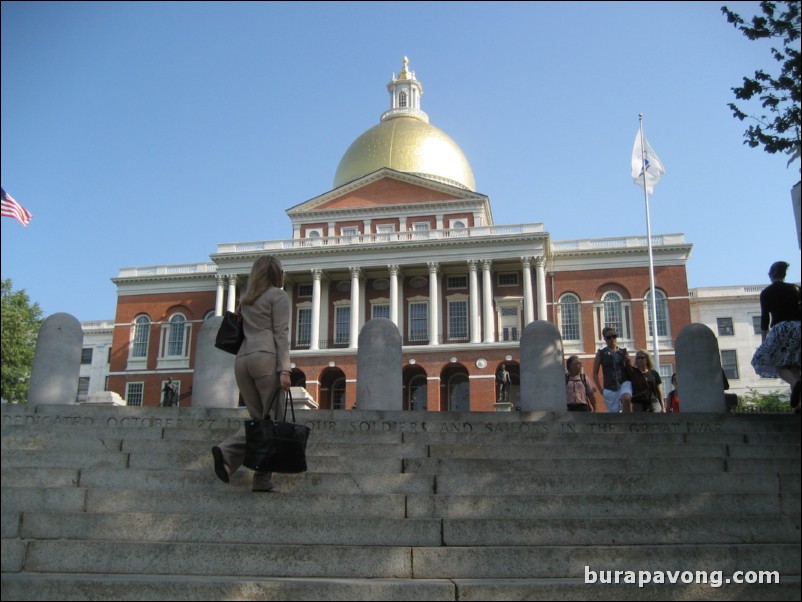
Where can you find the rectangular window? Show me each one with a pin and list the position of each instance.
(342, 324)
(349, 235)
(458, 320)
(304, 290)
(83, 388)
(756, 324)
(380, 310)
(725, 328)
(729, 362)
(419, 321)
(508, 279)
(86, 356)
(303, 335)
(420, 230)
(457, 282)
(134, 392)
(385, 231)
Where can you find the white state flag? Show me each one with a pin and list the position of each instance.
(653, 168)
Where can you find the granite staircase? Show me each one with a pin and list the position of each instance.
(102, 503)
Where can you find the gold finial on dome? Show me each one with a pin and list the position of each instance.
(406, 74)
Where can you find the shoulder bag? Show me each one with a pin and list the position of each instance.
(230, 334)
(273, 446)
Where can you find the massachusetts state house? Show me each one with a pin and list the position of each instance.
(403, 234)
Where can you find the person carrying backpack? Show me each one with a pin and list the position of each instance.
(580, 395)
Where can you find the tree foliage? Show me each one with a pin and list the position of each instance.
(20, 325)
(777, 130)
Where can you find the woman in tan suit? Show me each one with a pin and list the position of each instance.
(263, 362)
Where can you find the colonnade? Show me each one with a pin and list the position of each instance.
(482, 324)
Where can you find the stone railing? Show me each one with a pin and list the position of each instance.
(619, 242)
(381, 238)
(168, 270)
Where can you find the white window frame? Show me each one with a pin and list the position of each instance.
(463, 325)
(139, 343)
(306, 306)
(563, 315)
(170, 342)
(379, 304)
(134, 392)
(505, 309)
(599, 316)
(422, 302)
(663, 339)
(342, 338)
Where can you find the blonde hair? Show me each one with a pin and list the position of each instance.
(649, 360)
(266, 272)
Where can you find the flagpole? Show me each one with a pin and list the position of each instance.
(656, 352)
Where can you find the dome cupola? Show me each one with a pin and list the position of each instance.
(405, 141)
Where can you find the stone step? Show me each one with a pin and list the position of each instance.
(581, 466)
(712, 586)
(241, 501)
(414, 483)
(617, 483)
(418, 532)
(394, 562)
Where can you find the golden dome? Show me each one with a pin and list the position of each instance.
(405, 141)
(409, 145)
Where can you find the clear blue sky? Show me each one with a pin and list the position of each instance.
(146, 133)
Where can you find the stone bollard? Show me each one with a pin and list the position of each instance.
(57, 361)
(699, 375)
(378, 367)
(542, 372)
(213, 384)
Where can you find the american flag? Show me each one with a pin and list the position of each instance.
(12, 208)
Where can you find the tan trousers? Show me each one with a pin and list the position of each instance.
(258, 382)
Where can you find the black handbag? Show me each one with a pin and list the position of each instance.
(230, 334)
(273, 446)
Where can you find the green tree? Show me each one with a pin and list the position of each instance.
(777, 130)
(20, 325)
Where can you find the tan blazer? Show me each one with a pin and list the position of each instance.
(266, 326)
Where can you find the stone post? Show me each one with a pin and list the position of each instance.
(56, 361)
(378, 367)
(213, 383)
(699, 375)
(542, 372)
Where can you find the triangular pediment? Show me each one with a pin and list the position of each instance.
(386, 188)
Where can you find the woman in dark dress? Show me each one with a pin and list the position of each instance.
(779, 355)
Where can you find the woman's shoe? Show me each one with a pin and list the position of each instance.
(221, 469)
(262, 482)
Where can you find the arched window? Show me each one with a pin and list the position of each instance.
(338, 394)
(459, 393)
(418, 393)
(569, 318)
(662, 313)
(402, 100)
(613, 312)
(139, 346)
(175, 340)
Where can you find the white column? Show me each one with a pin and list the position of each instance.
(529, 299)
(314, 343)
(487, 301)
(354, 340)
(232, 293)
(476, 320)
(434, 303)
(218, 300)
(540, 270)
(394, 269)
